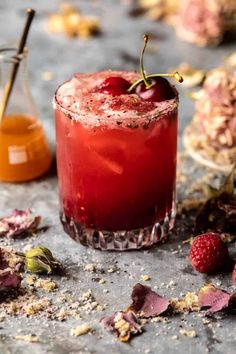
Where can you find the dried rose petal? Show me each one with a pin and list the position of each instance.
(9, 279)
(124, 324)
(10, 265)
(107, 322)
(9, 259)
(20, 223)
(146, 302)
(213, 299)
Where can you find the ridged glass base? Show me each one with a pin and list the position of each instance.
(119, 240)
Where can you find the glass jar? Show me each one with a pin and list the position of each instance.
(24, 150)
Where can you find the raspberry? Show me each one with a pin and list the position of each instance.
(208, 253)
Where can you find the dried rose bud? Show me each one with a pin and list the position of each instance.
(41, 260)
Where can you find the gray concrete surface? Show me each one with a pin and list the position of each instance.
(118, 47)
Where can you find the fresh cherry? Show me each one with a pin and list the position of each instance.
(115, 86)
(154, 88)
(159, 90)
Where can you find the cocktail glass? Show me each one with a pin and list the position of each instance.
(116, 166)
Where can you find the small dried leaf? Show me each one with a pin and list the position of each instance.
(124, 324)
(19, 224)
(213, 299)
(146, 302)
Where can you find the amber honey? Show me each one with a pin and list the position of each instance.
(24, 151)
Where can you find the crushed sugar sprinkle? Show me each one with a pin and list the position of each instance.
(174, 337)
(46, 284)
(90, 267)
(80, 330)
(189, 303)
(186, 333)
(145, 277)
(31, 338)
(111, 270)
(37, 306)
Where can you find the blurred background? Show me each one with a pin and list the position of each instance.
(94, 35)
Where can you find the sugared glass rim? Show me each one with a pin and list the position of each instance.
(89, 119)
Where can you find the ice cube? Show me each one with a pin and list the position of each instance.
(157, 128)
(108, 165)
(109, 153)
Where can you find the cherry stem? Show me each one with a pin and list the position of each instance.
(144, 78)
(175, 75)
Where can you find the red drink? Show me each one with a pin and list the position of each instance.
(116, 158)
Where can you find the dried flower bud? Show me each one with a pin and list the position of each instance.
(40, 260)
